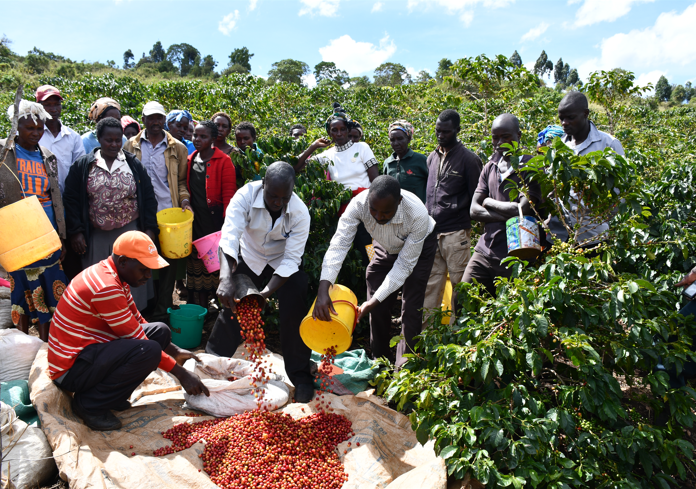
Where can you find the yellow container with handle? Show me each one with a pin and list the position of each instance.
(27, 234)
(447, 302)
(176, 232)
(338, 333)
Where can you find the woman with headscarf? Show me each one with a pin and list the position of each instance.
(107, 193)
(30, 169)
(100, 109)
(211, 183)
(130, 126)
(352, 164)
(546, 137)
(356, 132)
(404, 164)
(177, 123)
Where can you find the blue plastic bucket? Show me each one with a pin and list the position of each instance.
(186, 324)
(523, 237)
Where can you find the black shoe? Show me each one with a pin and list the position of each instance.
(122, 406)
(304, 393)
(98, 422)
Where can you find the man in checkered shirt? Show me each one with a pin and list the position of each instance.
(404, 252)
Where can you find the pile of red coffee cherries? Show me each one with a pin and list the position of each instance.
(270, 450)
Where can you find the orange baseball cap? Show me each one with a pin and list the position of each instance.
(138, 245)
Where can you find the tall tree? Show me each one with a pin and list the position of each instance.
(327, 70)
(543, 65)
(288, 70)
(516, 59)
(359, 82)
(678, 94)
(157, 53)
(391, 74)
(423, 77)
(241, 56)
(558, 71)
(444, 67)
(663, 90)
(182, 55)
(689, 91)
(128, 59)
(573, 78)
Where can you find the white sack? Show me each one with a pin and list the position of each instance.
(17, 353)
(228, 398)
(23, 447)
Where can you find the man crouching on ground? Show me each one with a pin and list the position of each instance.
(100, 348)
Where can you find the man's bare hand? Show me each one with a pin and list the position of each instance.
(191, 383)
(688, 280)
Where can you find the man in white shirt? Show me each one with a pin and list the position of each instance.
(583, 137)
(404, 253)
(58, 138)
(264, 236)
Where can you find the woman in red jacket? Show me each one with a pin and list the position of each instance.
(211, 182)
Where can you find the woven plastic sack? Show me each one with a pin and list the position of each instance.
(27, 456)
(17, 353)
(229, 382)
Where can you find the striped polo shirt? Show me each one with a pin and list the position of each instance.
(95, 308)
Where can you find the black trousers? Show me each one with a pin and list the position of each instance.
(362, 239)
(485, 270)
(164, 290)
(292, 303)
(413, 295)
(104, 375)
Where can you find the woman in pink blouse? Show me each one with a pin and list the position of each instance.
(107, 193)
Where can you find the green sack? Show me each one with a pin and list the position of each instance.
(15, 393)
(357, 372)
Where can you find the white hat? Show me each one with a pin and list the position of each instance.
(151, 108)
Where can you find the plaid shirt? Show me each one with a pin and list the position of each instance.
(403, 235)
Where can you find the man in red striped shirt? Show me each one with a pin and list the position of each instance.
(100, 348)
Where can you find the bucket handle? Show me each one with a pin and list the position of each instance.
(519, 208)
(355, 318)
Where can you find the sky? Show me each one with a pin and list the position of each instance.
(648, 37)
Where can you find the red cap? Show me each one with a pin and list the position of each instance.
(45, 91)
(138, 245)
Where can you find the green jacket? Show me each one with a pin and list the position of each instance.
(411, 171)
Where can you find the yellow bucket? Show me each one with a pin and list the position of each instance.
(27, 234)
(320, 335)
(176, 232)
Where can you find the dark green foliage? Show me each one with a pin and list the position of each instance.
(157, 53)
(663, 90)
(327, 70)
(241, 57)
(128, 59)
(391, 75)
(443, 69)
(288, 70)
(516, 59)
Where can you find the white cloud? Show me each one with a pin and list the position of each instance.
(535, 32)
(668, 43)
(357, 57)
(465, 8)
(228, 22)
(310, 80)
(252, 4)
(326, 8)
(594, 11)
(377, 7)
(650, 77)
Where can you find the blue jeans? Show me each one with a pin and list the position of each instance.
(689, 368)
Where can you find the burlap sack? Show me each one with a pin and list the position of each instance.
(89, 459)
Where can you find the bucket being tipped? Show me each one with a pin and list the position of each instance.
(176, 232)
(337, 333)
(207, 248)
(523, 237)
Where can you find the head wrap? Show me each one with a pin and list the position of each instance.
(402, 125)
(177, 115)
(356, 125)
(29, 109)
(127, 120)
(102, 105)
(551, 131)
(338, 115)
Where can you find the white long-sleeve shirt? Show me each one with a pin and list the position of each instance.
(404, 235)
(249, 228)
(67, 146)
